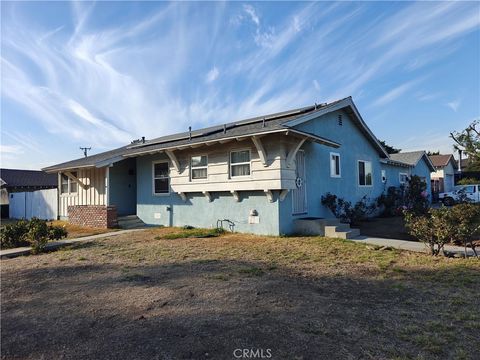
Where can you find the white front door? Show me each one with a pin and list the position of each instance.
(299, 194)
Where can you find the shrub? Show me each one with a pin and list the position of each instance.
(13, 235)
(468, 181)
(416, 196)
(444, 225)
(390, 201)
(466, 221)
(344, 210)
(35, 233)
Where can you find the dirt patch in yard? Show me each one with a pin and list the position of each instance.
(385, 227)
(392, 228)
(145, 296)
(76, 231)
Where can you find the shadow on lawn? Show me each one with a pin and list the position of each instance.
(207, 309)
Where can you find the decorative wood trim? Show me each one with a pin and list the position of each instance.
(260, 149)
(269, 195)
(174, 159)
(182, 195)
(207, 195)
(236, 196)
(283, 194)
(292, 153)
(72, 177)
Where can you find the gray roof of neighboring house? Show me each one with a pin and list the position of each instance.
(14, 178)
(412, 158)
(252, 126)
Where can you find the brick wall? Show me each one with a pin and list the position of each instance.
(98, 216)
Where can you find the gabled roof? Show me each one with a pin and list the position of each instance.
(442, 160)
(11, 178)
(265, 124)
(412, 158)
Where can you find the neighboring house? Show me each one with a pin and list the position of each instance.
(262, 173)
(443, 178)
(14, 180)
(419, 165)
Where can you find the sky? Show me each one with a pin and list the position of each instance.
(100, 74)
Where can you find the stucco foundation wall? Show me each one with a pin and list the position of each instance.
(97, 216)
(171, 210)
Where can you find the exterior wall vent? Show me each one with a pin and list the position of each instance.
(340, 120)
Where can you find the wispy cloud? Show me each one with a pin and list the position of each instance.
(212, 75)
(250, 10)
(107, 82)
(11, 149)
(394, 93)
(454, 104)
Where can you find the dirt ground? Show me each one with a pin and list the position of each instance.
(385, 227)
(392, 228)
(141, 296)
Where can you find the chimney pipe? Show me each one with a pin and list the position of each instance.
(143, 139)
(224, 128)
(189, 133)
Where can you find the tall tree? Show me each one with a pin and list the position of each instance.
(468, 141)
(390, 149)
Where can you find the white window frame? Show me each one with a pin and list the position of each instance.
(400, 178)
(198, 167)
(69, 183)
(249, 163)
(358, 173)
(153, 177)
(333, 165)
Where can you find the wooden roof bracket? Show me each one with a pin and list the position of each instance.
(260, 149)
(77, 180)
(293, 152)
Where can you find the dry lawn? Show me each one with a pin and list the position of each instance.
(143, 296)
(76, 231)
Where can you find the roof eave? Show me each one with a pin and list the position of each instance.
(347, 102)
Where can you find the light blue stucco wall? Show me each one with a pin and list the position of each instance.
(171, 210)
(122, 186)
(276, 218)
(393, 174)
(354, 147)
(422, 170)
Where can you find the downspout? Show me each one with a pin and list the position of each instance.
(459, 160)
(107, 185)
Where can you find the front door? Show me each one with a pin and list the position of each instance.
(299, 194)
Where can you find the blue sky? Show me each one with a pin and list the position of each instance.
(102, 74)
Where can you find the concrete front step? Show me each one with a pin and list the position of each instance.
(342, 231)
(130, 222)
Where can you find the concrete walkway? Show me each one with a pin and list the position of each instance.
(10, 253)
(411, 245)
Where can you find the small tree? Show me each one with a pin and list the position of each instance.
(468, 141)
(390, 149)
(468, 181)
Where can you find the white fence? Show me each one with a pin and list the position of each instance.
(42, 204)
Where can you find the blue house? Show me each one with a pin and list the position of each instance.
(265, 174)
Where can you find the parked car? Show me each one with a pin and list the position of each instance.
(469, 193)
